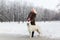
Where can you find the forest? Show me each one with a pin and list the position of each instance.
(17, 11)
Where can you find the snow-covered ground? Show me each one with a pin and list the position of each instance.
(49, 29)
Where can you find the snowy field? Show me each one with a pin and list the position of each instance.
(49, 29)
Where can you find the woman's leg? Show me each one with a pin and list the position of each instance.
(32, 33)
(32, 23)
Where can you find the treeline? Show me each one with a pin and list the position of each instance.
(14, 11)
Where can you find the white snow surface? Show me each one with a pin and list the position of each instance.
(49, 28)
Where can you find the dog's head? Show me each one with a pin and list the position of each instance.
(28, 24)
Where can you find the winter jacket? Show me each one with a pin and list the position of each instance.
(32, 17)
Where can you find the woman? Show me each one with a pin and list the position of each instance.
(31, 17)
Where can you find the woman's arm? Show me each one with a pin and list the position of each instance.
(29, 15)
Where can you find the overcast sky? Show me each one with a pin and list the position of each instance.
(49, 4)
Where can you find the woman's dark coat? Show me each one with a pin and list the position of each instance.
(32, 17)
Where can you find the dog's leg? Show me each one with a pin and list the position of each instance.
(38, 32)
(30, 34)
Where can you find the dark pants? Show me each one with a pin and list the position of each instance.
(32, 33)
(32, 23)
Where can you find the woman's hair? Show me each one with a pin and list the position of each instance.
(33, 10)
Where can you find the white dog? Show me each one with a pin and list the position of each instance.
(33, 28)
